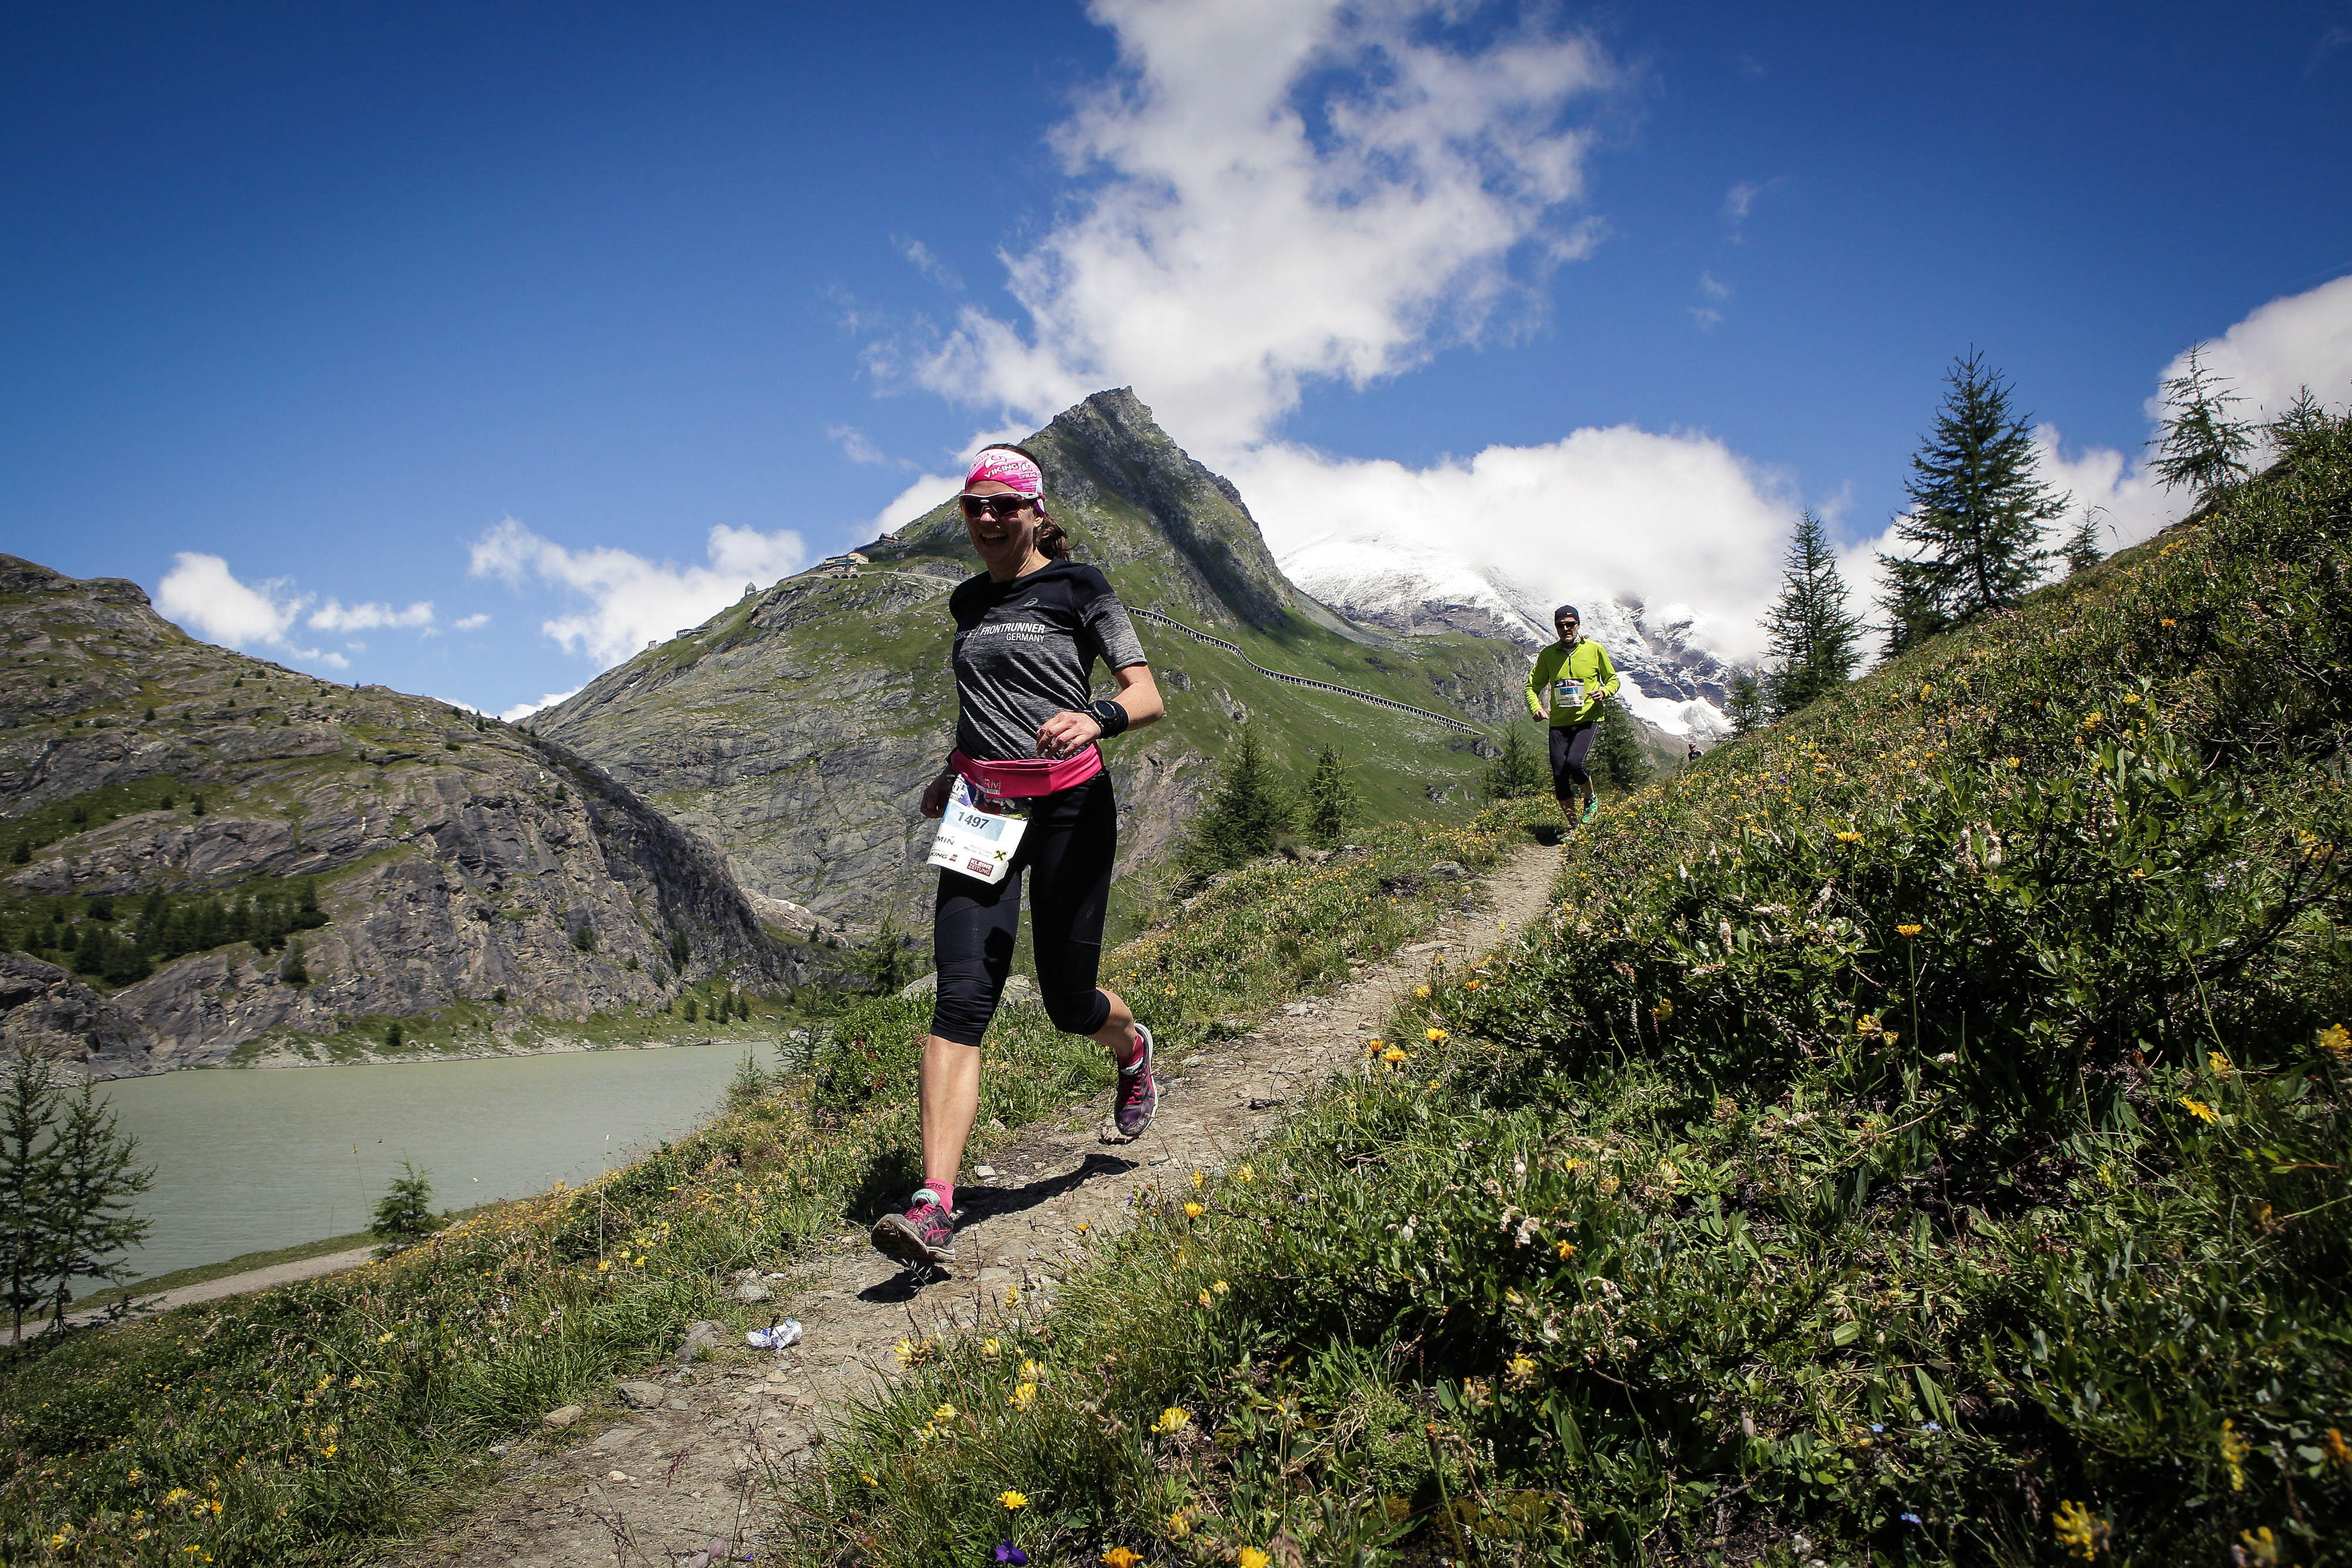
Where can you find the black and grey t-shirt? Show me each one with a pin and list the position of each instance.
(1024, 651)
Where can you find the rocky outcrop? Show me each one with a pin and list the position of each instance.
(799, 728)
(452, 859)
(47, 1012)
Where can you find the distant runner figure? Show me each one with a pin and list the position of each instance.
(1026, 771)
(1571, 680)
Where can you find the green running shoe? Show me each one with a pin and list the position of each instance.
(1592, 810)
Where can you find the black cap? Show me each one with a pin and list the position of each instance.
(1567, 612)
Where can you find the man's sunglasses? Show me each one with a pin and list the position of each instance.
(1003, 509)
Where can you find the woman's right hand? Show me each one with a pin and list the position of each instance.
(935, 797)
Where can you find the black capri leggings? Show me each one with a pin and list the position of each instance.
(1570, 745)
(1072, 838)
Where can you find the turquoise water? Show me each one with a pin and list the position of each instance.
(250, 1159)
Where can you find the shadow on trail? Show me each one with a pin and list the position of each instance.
(992, 1202)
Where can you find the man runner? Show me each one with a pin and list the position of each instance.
(1570, 681)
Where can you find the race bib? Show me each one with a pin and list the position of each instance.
(974, 843)
(1567, 697)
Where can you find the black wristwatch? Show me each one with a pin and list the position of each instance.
(1110, 716)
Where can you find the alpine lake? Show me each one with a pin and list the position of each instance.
(252, 1159)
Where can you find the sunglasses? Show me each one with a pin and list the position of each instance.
(1003, 509)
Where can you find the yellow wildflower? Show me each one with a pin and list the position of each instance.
(2079, 1530)
(2198, 1109)
(1199, 1180)
(603, 1265)
(944, 1413)
(1438, 1036)
(2013, 762)
(1024, 1395)
(2339, 1452)
(1172, 1419)
(1207, 1300)
(1030, 1371)
(2261, 1547)
(1519, 1370)
(1849, 837)
(1394, 1054)
(1012, 1297)
(1422, 991)
(1469, 985)
(1194, 1211)
(1011, 1500)
(2219, 1063)
(1251, 1557)
(990, 1349)
(2234, 1450)
(1180, 1524)
(1121, 1557)
(1908, 930)
(1927, 691)
(2093, 721)
(2337, 1042)
(1243, 1173)
(2167, 620)
(1565, 1251)
(2131, 696)
(905, 1351)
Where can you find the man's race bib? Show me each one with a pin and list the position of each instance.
(974, 843)
(1567, 697)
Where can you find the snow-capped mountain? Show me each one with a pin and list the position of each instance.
(1418, 589)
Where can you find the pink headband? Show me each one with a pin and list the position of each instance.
(1006, 468)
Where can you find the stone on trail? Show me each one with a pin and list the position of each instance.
(702, 1337)
(562, 1416)
(1450, 870)
(643, 1395)
(751, 1291)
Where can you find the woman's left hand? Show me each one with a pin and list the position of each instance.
(1066, 734)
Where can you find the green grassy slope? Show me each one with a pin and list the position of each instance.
(1917, 1136)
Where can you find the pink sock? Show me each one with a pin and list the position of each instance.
(945, 1191)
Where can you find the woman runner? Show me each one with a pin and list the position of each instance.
(1570, 681)
(1028, 630)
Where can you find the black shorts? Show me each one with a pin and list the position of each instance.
(1066, 853)
(1571, 744)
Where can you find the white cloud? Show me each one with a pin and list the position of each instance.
(1277, 195)
(1678, 522)
(855, 447)
(471, 622)
(927, 261)
(524, 710)
(332, 616)
(633, 601)
(202, 593)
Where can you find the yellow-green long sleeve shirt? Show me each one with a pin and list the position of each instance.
(1568, 683)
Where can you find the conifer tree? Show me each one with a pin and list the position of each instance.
(1978, 512)
(29, 1165)
(1809, 634)
(1744, 704)
(2305, 420)
(89, 1218)
(403, 1215)
(1515, 772)
(2202, 445)
(1249, 812)
(1619, 761)
(2081, 552)
(1332, 804)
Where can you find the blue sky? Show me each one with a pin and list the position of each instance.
(504, 309)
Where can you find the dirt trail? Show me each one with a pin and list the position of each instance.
(678, 1479)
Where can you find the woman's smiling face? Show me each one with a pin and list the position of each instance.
(1003, 543)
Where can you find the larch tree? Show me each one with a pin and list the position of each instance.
(2202, 445)
(1249, 812)
(2081, 552)
(1813, 639)
(1333, 805)
(1979, 510)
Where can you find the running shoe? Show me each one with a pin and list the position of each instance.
(924, 1234)
(1592, 810)
(1137, 1099)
